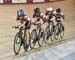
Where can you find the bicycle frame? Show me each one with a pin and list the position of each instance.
(20, 34)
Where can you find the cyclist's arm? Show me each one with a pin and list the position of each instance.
(39, 22)
(33, 20)
(46, 14)
(62, 15)
(17, 23)
(22, 25)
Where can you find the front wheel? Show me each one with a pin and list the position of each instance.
(41, 40)
(17, 44)
(52, 33)
(32, 40)
(56, 34)
(62, 32)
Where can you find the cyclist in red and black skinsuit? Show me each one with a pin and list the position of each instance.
(50, 16)
(38, 16)
(24, 21)
(59, 16)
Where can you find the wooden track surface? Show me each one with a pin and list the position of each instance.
(8, 19)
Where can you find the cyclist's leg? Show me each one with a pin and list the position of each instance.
(44, 26)
(26, 44)
(27, 28)
(34, 20)
(27, 35)
(19, 24)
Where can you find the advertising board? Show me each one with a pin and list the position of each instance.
(19, 1)
(1, 1)
(38, 1)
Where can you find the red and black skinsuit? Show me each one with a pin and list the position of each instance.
(59, 16)
(50, 14)
(38, 16)
(27, 20)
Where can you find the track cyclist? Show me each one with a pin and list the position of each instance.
(59, 16)
(38, 17)
(23, 21)
(50, 16)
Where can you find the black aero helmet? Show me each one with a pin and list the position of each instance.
(37, 10)
(58, 9)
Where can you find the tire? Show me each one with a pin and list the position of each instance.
(16, 51)
(45, 37)
(56, 35)
(48, 34)
(41, 41)
(32, 40)
(52, 34)
(61, 31)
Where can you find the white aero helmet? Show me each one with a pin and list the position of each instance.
(42, 14)
(49, 9)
